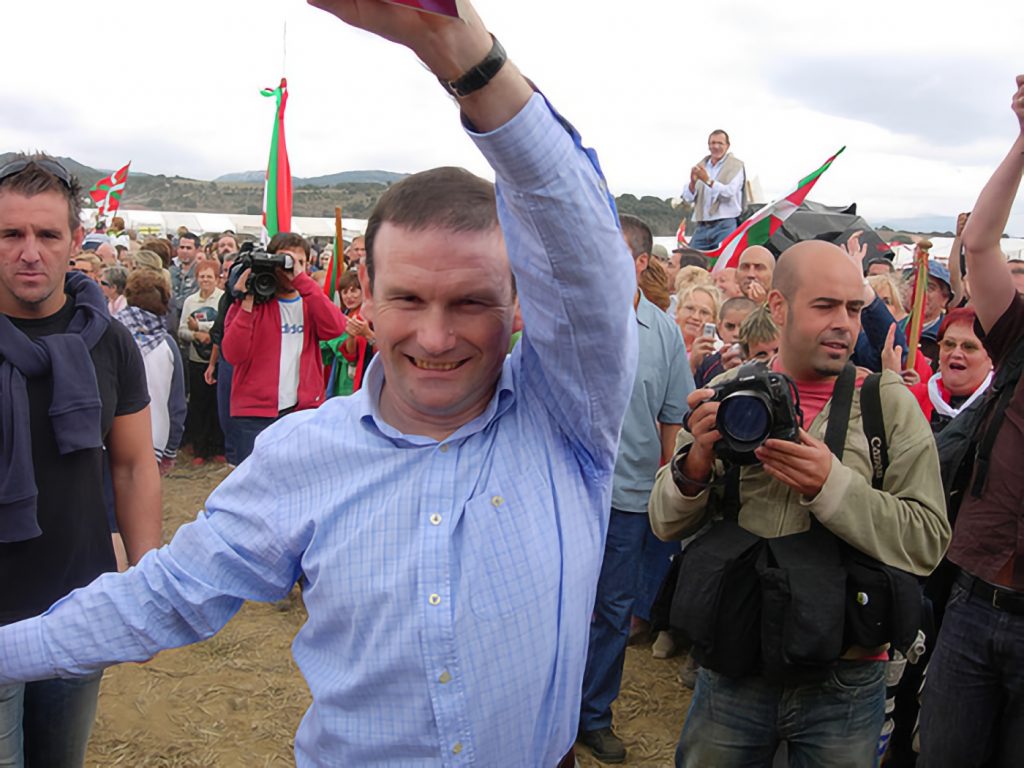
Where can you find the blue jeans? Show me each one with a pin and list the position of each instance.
(834, 723)
(709, 236)
(46, 724)
(609, 628)
(247, 429)
(972, 709)
(227, 424)
(654, 564)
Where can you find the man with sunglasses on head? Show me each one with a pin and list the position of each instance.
(72, 383)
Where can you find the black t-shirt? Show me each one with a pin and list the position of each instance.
(75, 546)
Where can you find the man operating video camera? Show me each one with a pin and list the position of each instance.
(806, 572)
(272, 337)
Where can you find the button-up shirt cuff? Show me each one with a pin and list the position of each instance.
(829, 500)
(23, 653)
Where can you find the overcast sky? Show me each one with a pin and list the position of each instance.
(919, 92)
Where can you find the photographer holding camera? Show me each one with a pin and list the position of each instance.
(790, 639)
(272, 337)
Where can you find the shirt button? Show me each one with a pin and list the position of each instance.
(435, 519)
(497, 501)
(457, 748)
(435, 599)
(445, 678)
(444, 448)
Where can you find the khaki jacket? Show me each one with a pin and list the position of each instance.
(904, 525)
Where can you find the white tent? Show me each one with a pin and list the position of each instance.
(163, 223)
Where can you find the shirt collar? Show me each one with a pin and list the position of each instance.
(373, 383)
(645, 311)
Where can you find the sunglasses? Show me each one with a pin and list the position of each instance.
(17, 166)
(105, 284)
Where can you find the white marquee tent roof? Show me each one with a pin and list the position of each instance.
(167, 222)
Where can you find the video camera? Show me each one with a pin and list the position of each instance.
(262, 266)
(757, 405)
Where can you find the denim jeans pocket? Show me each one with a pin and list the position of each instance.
(857, 677)
(957, 594)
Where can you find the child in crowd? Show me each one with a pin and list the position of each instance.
(349, 354)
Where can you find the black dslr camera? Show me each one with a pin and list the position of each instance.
(757, 405)
(263, 266)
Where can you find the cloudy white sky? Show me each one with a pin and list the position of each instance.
(918, 91)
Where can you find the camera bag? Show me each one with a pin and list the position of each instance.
(717, 600)
(883, 603)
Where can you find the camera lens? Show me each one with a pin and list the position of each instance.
(264, 284)
(745, 419)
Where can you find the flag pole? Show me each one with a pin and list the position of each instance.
(917, 308)
(338, 239)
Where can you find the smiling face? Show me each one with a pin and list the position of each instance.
(36, 243)
(442, 308)
(206, 276)
(718, 145)
(963, 361)
(692, 313)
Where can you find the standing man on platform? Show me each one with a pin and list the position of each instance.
(716, 190)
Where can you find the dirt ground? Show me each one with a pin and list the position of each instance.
(236, 699)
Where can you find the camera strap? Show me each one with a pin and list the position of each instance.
(874, 428)
(839, 412)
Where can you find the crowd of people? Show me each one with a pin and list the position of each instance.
(558, 439)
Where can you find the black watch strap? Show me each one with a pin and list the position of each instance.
(480, 75)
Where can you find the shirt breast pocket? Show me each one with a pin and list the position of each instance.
(512, 551)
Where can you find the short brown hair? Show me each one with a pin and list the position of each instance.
(348, 279)
(161, 248)
(758, 328)
(283, 240)
(35, 179)
(638, 235)
(446, 198)
(148, 290)
(653, 282)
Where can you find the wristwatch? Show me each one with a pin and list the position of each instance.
(480, 75)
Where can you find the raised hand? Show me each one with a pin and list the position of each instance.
(855, 249)
(449, 47)
(1018, 102)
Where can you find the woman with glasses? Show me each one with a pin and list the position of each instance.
(696, 311)
(113, 281)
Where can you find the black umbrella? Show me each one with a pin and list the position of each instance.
(833, 224)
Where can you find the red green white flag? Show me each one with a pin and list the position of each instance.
(277, 189)
(333, 270)
(762, 225)
(107, 191)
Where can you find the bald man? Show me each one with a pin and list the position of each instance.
(830, 714)
(754, 273)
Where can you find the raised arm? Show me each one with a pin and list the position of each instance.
(992, 289)
(573, 271)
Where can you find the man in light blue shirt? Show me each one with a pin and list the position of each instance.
(656, 409)
(716, 191)
(447, 522)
